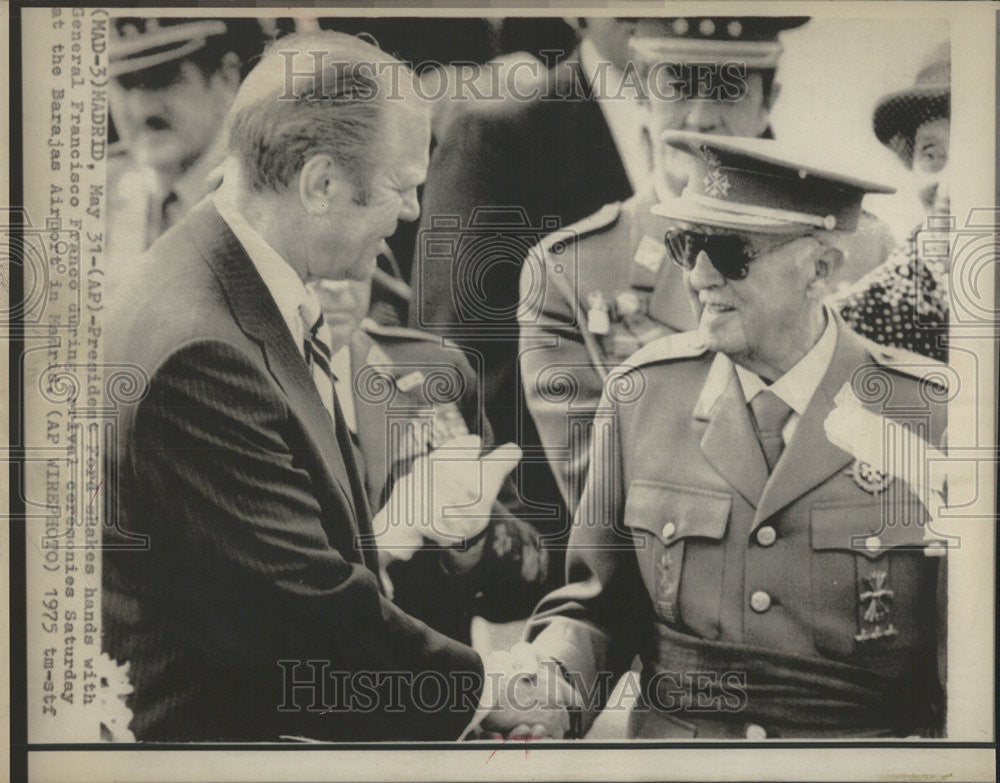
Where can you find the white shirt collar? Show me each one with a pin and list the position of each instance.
(797, 386)
(283, 282)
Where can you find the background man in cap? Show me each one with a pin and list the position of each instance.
(591, 301)
(773, 584)
(173, 82)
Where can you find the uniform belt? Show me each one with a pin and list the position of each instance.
(791, 695)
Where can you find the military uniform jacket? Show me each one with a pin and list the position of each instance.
(797, 605)
(591, 296)
(410, 395)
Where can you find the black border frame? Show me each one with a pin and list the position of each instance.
(20, 747)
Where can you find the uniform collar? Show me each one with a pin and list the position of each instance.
(282, 282)
(797, 386)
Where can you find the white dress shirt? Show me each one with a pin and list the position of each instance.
(797, 386)
(620, 103)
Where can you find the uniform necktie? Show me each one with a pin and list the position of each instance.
(770, 413)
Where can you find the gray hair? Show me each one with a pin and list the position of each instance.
(314, 93)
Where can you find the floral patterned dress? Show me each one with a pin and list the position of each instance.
(904, 301)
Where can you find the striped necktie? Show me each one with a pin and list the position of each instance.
(316, 346)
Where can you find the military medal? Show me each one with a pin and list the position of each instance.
(869, 478)
(448, 423)
(876, 603)
(628, 304)
(598, 321)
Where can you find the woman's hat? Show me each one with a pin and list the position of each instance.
(899, 114)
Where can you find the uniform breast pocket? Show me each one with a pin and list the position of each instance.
(872, 585)
(676, 531)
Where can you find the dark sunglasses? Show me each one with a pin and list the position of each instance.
(730, 254)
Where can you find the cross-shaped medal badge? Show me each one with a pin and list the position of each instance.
(716, 181)
(878, 603)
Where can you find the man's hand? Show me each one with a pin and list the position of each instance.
(447, 496)
(525, 696)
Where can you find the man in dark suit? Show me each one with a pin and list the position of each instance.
(241, 574)
(509, 172)
(777, 577)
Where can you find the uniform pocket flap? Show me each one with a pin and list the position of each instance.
(673, 512)
(868, 529)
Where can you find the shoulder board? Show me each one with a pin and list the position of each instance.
(683, 345)
(905, 362)
(604, 218)
(377, 330)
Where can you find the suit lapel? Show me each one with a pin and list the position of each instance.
(810, 458)
(258, 316)
(729, 442)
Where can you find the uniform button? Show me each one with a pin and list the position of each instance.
(760, 601)
(873, 543)
(754, 731)
(767, 535)
(669, 529)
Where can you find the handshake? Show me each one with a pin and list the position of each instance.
(525, 697)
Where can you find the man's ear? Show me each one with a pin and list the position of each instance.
(772, 96)
(228, 71)
(320, 184)
(826, 266)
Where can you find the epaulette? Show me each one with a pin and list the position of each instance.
(671, 347)
(605, 217)
(905, 362)
(398, 332)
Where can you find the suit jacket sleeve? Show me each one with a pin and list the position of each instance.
(594, 624)
(239, 539)
(562, 375)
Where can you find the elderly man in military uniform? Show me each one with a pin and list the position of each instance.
(173, 82)
(772, 584)
(596, 292)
